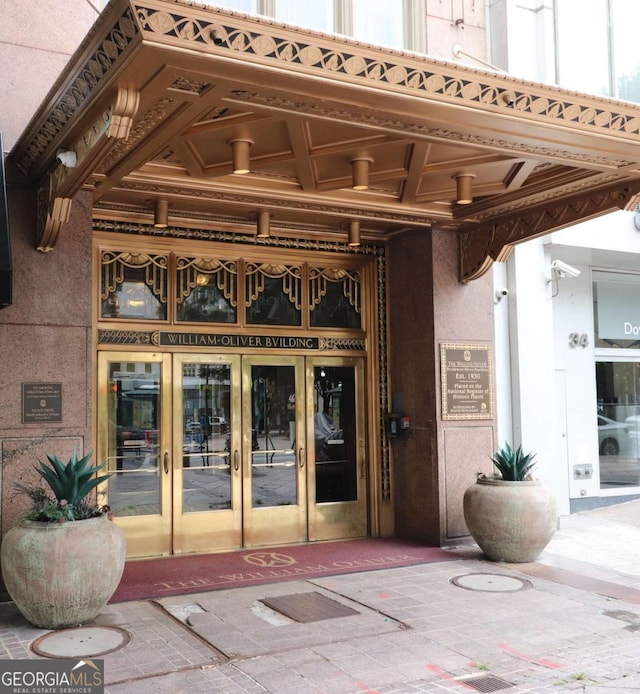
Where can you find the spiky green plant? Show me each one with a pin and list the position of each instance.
(512, 464)
(70, 486)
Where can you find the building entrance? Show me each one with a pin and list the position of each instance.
(219, 451)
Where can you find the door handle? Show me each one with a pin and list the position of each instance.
(301, 460)
(236, 460)
(166, 463)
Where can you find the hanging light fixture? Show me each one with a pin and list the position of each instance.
(354, 233)
(360, 172)
(464, 192)
(240, 155)
(161, 213)
(264, 225)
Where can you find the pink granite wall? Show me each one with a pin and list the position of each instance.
(45, 337)
(434, 464)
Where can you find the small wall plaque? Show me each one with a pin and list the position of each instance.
(41, 402)
(467, 381)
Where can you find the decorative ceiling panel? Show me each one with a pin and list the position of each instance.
(152, 100)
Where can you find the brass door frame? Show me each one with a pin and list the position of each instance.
(171, 530)
(215, 530)
(340, 519)
(272, 525)
(151, 534)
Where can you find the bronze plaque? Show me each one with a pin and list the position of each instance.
(467, 381)
(41, 402)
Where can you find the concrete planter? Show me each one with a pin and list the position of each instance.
(62, 574)
(510, 521)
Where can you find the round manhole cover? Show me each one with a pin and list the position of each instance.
(491, 583)
(81, 642)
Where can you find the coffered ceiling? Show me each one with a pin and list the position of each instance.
(152, 101)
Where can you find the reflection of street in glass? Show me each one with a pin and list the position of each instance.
(206, 478)
(619, 446)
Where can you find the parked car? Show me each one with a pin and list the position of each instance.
(612, 436)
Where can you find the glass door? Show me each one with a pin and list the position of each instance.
(274, 457)
(169, 430)
(337, 480)
(215, 452)
(207, 501)
(134, 440)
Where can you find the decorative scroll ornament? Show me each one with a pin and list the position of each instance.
(114, 266)
(55, 195)
(351, 285)
(291, 281)
(53, 212)
(196, 271)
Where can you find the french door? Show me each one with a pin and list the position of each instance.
(214, 452)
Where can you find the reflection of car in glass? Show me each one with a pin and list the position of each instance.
(612, 435)
(218, 425)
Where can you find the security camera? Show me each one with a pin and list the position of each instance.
(501, 293)
(563, 270)
(67, 158)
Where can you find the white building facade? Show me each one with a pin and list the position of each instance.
(568, 344)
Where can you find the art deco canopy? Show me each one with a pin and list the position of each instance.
(171, 102)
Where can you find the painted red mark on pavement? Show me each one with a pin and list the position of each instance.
(523, 656)
(445, 675)
(383, 595)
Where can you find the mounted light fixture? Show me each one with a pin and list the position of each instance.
(264, 225)
(354, 234)
(360, 172)
(464, 192)
(161, 213)
(240, 155)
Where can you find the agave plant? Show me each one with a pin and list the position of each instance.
(70, 485)
(512, 464)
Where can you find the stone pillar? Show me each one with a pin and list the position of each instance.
(437, 460)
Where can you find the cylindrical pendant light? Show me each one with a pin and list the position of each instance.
(360, 172)
(354, 233)
(264, 225)
(464, 192)
(161, 213)
(240, 155)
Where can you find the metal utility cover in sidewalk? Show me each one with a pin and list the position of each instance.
(484, 683)
(308, 607)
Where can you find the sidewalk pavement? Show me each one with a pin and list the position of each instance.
(568, 622)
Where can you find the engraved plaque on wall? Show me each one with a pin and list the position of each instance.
(467, 381)
(41, 402)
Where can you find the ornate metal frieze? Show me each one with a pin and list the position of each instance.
(343, 343)
(125, 337)
(482, 245)
(355, 61)
(115, 42)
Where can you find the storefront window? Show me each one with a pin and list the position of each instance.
(616, 299)
(618, 388)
